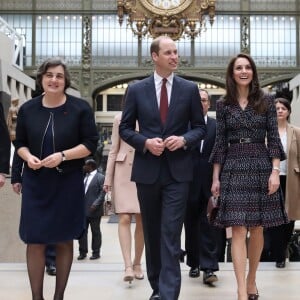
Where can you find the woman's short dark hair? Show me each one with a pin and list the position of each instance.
(286, 103)
(49, 63)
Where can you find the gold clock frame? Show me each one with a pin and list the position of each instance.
(187, 19)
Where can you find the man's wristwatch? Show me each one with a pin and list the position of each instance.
(184, 143)
(63, 156)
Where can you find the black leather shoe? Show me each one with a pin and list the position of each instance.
(155, 296)
(194, 272)
(182, 255)
(280, 264)
(95, 256)
(51, 270)
(81, 256)
(209, 277)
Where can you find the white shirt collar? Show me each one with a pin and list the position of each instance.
(158, 78)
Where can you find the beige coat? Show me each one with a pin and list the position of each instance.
(292, 196)
(118, 173)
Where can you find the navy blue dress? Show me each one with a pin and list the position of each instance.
(52, 202)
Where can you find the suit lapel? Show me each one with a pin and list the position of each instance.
(150, 93)
(174, 96)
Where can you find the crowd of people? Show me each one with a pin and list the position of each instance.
(167, 158)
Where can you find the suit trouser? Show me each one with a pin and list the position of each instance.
(200, 245)
(94, 222)
(50, 255)
(162, 208)
(277, 238)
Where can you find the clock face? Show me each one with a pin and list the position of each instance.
(166, 4)
(163, 6)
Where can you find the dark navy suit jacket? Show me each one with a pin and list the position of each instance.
(95, 196)
(185, 110)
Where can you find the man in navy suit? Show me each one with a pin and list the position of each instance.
(4, 147)
(163, 163)
(200, 237)
(94, 199)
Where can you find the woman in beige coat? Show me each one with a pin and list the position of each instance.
(289, 182)
(124, 197)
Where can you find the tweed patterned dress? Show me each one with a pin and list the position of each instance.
(246, 168)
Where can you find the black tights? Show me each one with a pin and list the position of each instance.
(36, 268)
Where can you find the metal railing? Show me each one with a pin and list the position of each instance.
(10, 32)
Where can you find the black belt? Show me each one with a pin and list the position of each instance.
(246, 141)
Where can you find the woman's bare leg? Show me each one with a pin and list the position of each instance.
(255, 247)
(239, 259)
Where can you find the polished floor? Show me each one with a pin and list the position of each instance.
(102, 279)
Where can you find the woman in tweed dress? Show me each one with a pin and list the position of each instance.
(246, 159)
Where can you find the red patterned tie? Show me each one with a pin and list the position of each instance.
(163, 101)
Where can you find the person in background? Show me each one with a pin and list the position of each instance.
(12, 118)
(53, 148)
(4, 147)
(94, 199)
(125, 202)
(16, 182)
(279, 236)
(246, 158)
(170, 118)
(200, 245)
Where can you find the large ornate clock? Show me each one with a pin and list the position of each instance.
(161, 7)
(166, 17)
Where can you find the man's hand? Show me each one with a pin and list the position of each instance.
(17, 187)
(156, 146)
(174, 142)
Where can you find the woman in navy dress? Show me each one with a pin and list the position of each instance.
(55, 132)
(246, 159)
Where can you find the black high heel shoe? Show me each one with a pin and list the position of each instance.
(253, 296)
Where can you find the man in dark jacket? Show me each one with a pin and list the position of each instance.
(94, 199)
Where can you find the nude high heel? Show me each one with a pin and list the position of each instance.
(129, 274)
(138, 274)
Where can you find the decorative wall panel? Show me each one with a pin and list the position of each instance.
(16, 4)
(59, 5)
(228, 5)
(104, 4)
(275, 5)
